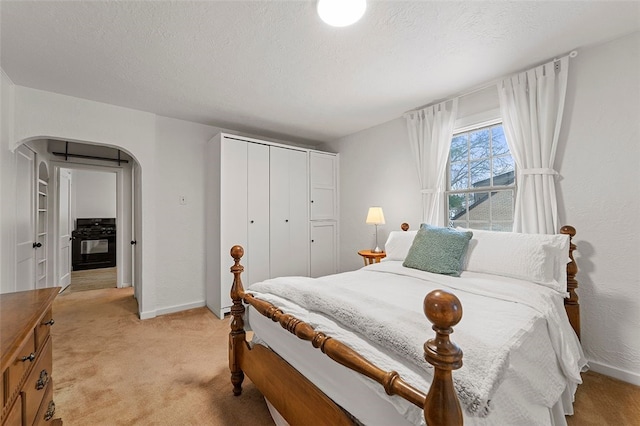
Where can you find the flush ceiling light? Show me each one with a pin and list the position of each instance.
(340, 13)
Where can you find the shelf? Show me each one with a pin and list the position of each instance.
(42, 234)
(41, 261)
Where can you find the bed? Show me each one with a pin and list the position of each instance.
(352, 347)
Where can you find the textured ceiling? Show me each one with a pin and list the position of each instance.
(273, 68)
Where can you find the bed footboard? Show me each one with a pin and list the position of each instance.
(440, 405)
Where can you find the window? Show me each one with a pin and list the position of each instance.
(481, 180)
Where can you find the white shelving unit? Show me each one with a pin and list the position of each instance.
(42, 220)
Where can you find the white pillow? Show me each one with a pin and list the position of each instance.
(398, 244)
(539, 258)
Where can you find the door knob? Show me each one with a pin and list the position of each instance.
(134, 242)
(37, 245)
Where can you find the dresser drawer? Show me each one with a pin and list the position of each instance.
(34, 389)
(25, 356)
(43, 328)
(47, 408)
(14, 418)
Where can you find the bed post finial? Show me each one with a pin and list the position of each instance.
(441, 407)
(571, 304)
(237, 335)
(404, 226)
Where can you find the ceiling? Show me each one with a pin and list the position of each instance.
(273, 68)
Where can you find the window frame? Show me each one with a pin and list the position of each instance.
(491, 189)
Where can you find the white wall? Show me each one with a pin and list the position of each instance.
(7, 186)
(94, 194)
(598, 191)
(181, 244)
(38, 114)
(376, 169)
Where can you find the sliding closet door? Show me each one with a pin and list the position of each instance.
(289, 238)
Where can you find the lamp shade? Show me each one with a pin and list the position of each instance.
(375, 216)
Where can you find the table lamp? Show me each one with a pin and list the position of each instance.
(375, 217)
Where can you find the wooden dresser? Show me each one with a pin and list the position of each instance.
(25, 344)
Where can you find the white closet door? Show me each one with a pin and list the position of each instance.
(298, 214)
(323, 249)
(233, 211)
(279, 207)
(258, 213)
(323, 186)
(289, 212)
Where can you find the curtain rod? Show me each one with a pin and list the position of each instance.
(571, 54)
(66, 156)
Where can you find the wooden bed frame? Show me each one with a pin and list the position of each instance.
(300, 402)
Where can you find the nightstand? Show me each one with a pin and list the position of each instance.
(371, 257)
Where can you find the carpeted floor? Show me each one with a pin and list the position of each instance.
(110, 368)
(93, 279)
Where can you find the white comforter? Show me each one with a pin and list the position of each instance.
(380, 306)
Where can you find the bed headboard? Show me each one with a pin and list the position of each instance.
(571, 304)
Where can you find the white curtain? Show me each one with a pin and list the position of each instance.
(430, 132)
(531, 104)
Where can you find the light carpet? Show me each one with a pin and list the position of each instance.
(110, 368)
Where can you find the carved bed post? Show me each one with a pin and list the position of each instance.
(571, 304)
(237, 335)
(441, 406)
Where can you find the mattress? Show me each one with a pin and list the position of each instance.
(541, 369)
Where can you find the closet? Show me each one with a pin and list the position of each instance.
(258, 196)
(323, 183)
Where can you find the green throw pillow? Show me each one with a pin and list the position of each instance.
(438, 250)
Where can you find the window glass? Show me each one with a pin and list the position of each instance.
(481, 180)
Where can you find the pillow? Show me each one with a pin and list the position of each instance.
(438, 250)
(538, 258)
(398, 244)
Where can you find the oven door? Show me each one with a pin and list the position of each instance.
(89, 247)
(94, 252)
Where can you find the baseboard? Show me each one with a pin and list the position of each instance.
(147, 315)
(178, 308)
(124, 285)
(616, 373)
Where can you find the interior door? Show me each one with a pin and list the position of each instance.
(64, 228)
(25, 219)
(136, 235)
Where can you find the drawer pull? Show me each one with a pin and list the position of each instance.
(43, 380)
(50, 322)
(51, 410)
(30, 357)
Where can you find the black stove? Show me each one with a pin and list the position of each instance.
(94, 243)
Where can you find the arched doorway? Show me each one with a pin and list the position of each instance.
(53, 156)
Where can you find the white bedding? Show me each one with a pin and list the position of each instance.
(532, 381)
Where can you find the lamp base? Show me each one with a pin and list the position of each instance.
(376, 250)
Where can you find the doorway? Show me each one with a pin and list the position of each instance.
(96, 195)
(92, 216)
